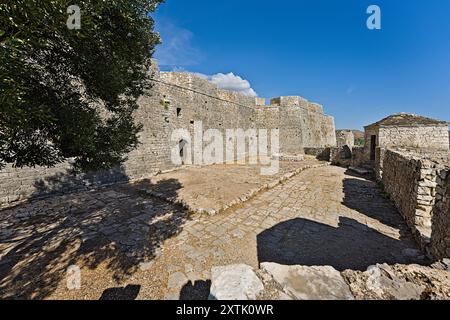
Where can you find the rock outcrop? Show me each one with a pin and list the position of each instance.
(399, 282)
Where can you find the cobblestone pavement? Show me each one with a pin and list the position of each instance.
(211, 189)
(131, 246)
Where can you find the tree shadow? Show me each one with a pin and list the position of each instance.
(69, 181)
(351, 245)
(121, 227)
(366, 197)
(196, 291)
(130, 292)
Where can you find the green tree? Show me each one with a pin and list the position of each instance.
(71, 93)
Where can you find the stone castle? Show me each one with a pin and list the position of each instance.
(316, 230)
(408, 153)
(177, 100)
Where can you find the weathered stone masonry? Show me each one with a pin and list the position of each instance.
(440, 237)
(402, 130)
(177, 100)
(418, 183)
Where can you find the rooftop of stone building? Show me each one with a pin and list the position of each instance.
(407, 119)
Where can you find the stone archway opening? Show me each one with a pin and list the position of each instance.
(182, 145)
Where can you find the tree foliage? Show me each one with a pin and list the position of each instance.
(72, 93)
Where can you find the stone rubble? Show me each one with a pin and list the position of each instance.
(399, 282)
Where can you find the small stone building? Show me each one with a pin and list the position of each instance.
(404, 131)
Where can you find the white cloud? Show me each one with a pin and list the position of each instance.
(231, 82)
(177, 52)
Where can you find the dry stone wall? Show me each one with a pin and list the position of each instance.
(440, 237)
(417, 183)
(359, 157)
(178, 101)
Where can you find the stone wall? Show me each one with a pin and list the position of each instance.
(323, 154)
(435, 137)
(416, 137)
(178, 101)
(345, 138)
(440, 236)
(343, 156)
(413, 179)
(401, 180)
(359, 157)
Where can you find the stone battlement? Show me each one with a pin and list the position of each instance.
(298, 102)
(176, 101)
(200, 85)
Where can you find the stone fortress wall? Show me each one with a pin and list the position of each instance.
(177, 101)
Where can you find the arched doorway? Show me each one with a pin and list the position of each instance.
(182, 145)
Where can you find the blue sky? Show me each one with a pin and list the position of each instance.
(319, 49)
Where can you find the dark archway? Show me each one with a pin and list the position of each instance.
(182, 145)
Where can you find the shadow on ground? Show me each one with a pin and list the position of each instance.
(120, 227)
(196, 291)
(365, 197)
(350, 246)
(129, 292)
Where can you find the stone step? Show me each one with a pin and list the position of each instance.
(360, 170)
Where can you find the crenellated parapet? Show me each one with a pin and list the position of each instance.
(296, 101)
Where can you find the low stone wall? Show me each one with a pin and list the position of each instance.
(440, 237)
(401, 181)
(20, 184)
(359, 157)
(341, 156)
(323, 154)
(414, 181)
(344, 156)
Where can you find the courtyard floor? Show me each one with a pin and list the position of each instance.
(131, 245)
(209, 189)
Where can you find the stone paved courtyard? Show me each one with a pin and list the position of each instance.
(211, 189)
(131, 245)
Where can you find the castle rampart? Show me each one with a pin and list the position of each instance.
(177, 101)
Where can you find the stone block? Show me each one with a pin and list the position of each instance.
(309, 283)
(235, 282)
